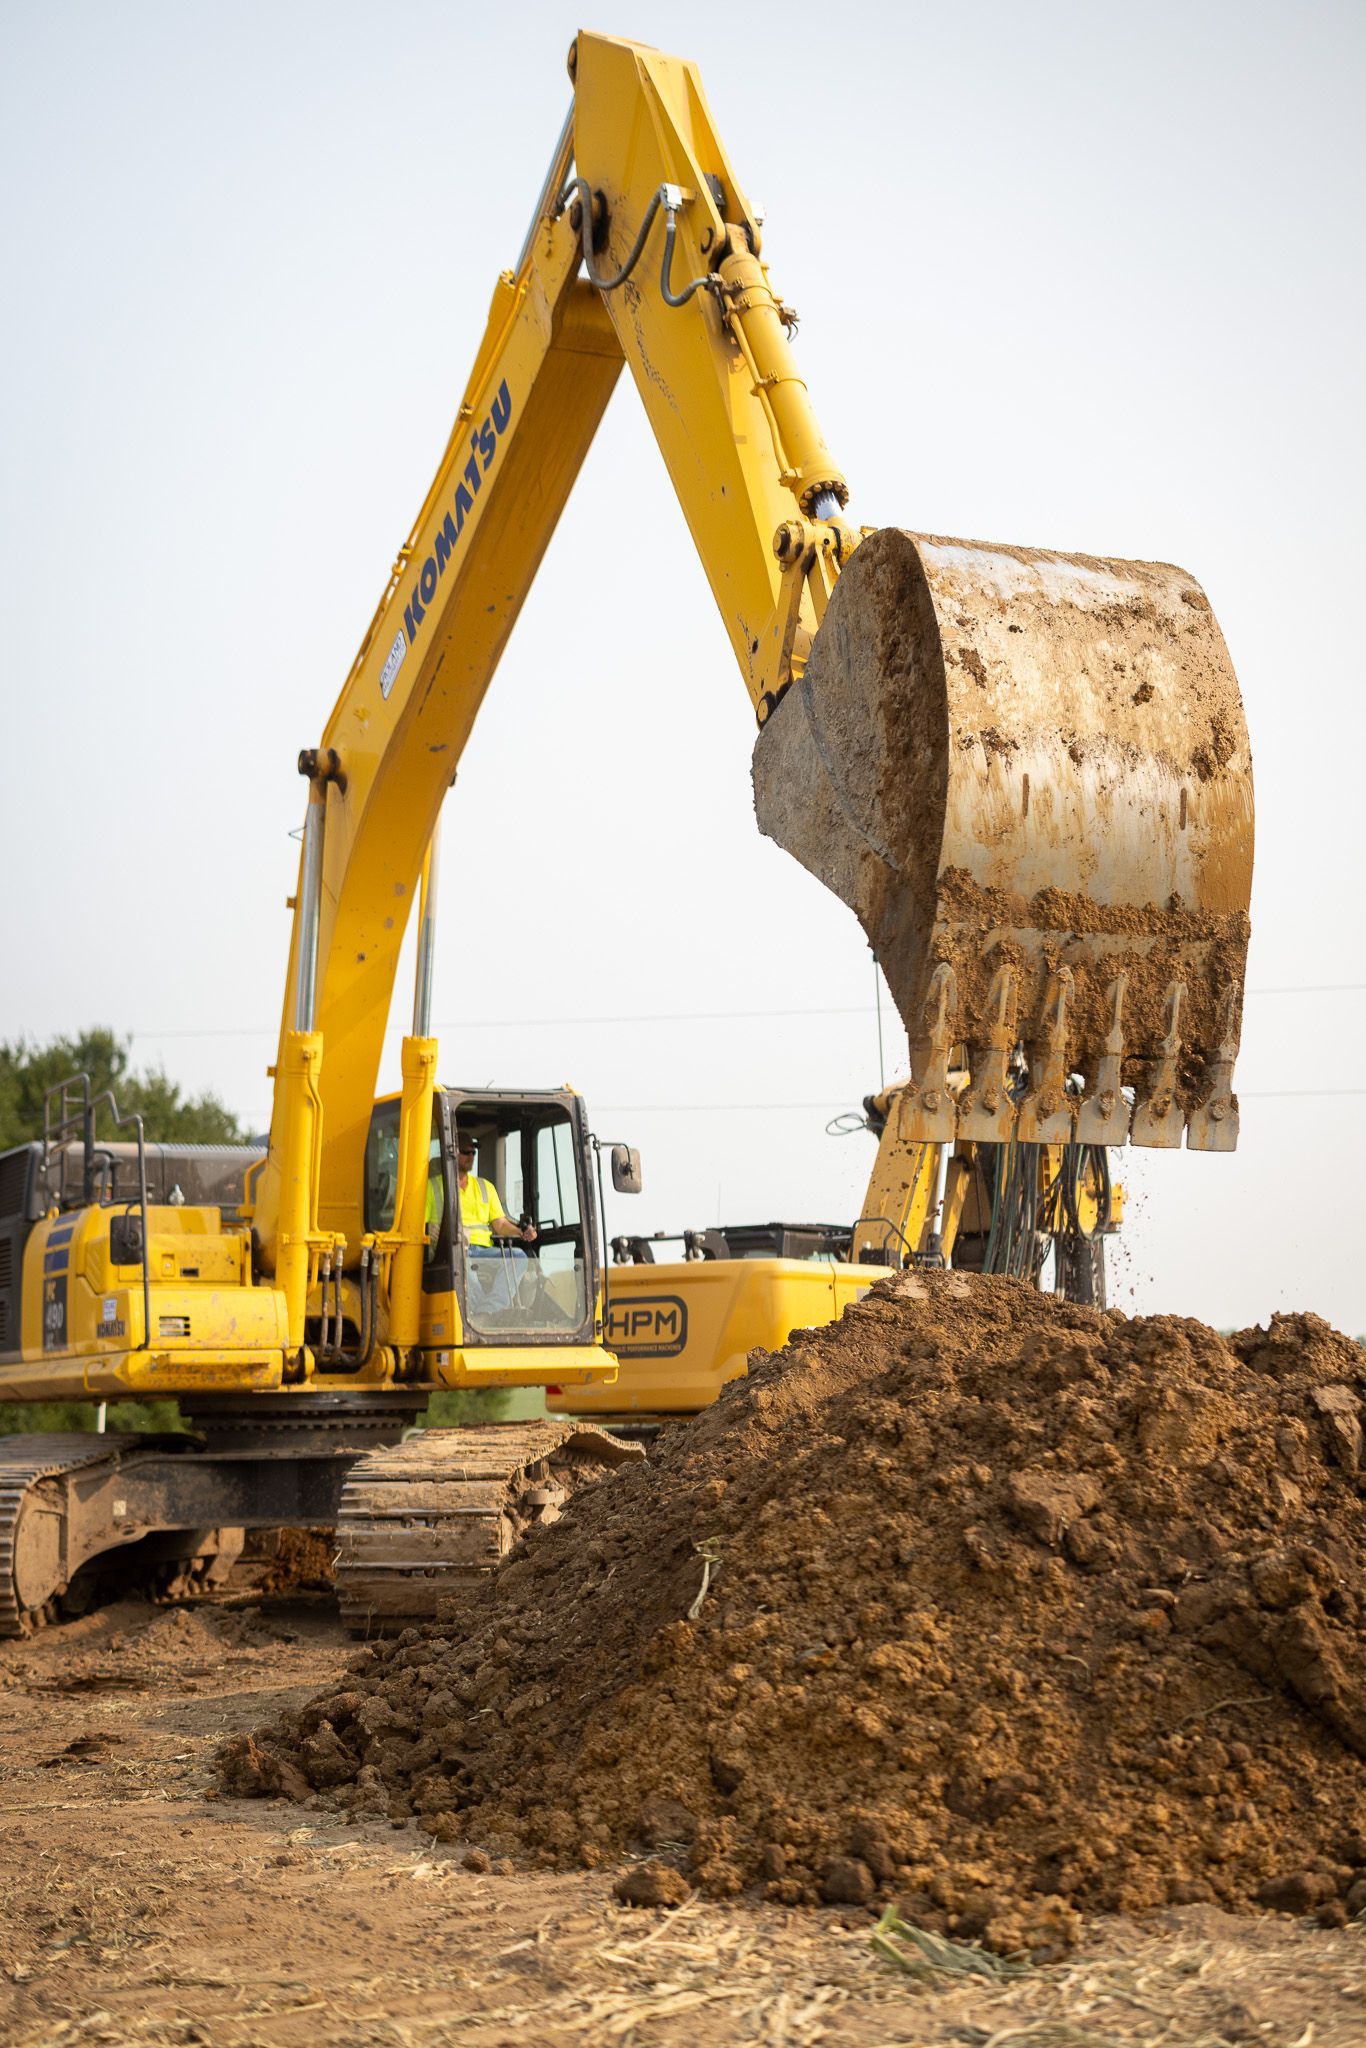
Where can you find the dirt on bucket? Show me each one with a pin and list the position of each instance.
(1007, 1610)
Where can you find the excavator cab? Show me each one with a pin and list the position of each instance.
(530, 1163)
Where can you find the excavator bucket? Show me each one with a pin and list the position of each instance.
(1028, 774)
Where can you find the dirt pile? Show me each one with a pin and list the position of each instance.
(1000, 1607)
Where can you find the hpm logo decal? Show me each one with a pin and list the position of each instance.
(647, 1326)
(483, 448)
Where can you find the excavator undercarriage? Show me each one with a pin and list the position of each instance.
(418, 1522)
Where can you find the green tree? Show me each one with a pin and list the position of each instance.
(28, 1071)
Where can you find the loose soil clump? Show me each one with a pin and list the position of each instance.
(1006, 1609)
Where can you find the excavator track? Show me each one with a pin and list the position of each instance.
(27, 1534)
(430, 1519)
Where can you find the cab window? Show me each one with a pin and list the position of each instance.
(528, 1154)
(381, 1167)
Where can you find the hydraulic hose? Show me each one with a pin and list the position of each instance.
(671, 297)
(583, 190)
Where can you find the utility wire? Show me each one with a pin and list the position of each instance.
(1338, 988)
(737, 1108)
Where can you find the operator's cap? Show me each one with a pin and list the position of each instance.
(464, 1140)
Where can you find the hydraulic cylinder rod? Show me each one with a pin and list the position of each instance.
(426, 938)
(310, 906)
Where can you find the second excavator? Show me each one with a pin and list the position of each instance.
(1026, 772)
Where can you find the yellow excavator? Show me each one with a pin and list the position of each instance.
(1027, 773)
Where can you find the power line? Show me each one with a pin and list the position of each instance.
(1337, 988)
(548, 1023)
(739, 1108)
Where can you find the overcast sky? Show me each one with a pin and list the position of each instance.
(1069, 275)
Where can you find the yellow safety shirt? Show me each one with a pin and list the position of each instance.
(435, 1205)
(479, 1207)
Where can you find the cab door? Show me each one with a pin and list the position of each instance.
(532, 1151)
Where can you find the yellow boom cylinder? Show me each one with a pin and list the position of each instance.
(410, 1212)
(300, 1110)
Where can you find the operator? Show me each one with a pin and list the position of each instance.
(484, 1219)
(481, 1211)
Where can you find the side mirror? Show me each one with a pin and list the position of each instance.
(626, 1169)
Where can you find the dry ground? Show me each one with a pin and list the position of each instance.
(134, 1909)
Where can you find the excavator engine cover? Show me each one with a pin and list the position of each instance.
(1028, 774)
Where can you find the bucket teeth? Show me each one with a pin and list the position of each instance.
(929, 1115)
(1158, 1116)
(1047, 1111)
(1213, 1123)
(987, 1111)
(1104, 1115)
